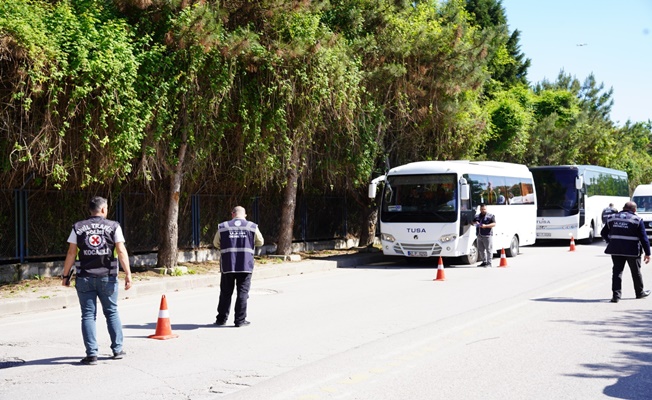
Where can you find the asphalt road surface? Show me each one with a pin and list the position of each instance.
(541, 328)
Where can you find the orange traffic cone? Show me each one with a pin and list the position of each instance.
(572, 245)
(163, 329)
(503, 259)
(440, 271)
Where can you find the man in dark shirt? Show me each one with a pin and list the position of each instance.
(626, 240)
(95, 242)
(485, 223)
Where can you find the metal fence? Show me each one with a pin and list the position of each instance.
(34, 225)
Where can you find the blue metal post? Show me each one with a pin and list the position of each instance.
(304, 219)
(195, 217)
(345, 216)
(22, 247)
(120, 211)
(256, 211)
(19, 225)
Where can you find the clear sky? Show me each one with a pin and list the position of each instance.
(610, 38)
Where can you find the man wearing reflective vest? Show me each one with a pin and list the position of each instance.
(95, 242)
(626, 237)
(237, 240)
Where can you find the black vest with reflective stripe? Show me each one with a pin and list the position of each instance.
(625, 234)
(237, 245)
(96, 244)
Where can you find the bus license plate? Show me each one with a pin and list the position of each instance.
(417, 254)
(544, 234)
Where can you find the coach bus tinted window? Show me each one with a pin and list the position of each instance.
(556, 190)
(604, 184)
(415, 198)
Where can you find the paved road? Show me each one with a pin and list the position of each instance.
(541, 328)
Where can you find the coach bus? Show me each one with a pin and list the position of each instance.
(571, 198)
(427, 208)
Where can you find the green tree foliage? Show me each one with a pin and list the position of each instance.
(581, 114)
(185, 80)
(313, 86)
(425, 68)
(70, 109)
(554, 140)
(507, 64)
(512, 117)
(246, 96)
(632, 152)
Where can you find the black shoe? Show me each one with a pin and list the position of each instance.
(482, 264)
(219, 322)
(89, 360)
(614, 300)
(643, 294)
(119, 355)
(243, 323)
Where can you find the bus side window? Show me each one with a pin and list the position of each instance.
(528, 192)
(499, 188)
(477, 184)
(514, 193)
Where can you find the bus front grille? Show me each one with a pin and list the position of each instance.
(431, 249)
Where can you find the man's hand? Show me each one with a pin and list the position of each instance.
(127, 281)
(646, 259)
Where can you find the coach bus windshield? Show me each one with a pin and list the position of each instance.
(420, 198)
(556, 192)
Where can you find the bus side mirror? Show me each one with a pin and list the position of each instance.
(464, 189)
(579, 182)
(372, 190)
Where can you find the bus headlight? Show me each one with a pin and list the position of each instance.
(387, 237)
(447, 238)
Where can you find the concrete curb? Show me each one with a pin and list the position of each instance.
(59, 297)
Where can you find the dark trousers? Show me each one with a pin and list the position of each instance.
(616, 279)
(229, 281)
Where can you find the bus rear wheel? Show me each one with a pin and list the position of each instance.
(512, 251)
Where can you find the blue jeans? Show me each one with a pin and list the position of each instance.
(106, 289)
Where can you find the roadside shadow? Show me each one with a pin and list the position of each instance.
(55, 361)
(566, 242)
(636, 386)
(178, 327)
(173, 328)
(406, 263)
(570, 300)
(631, 369)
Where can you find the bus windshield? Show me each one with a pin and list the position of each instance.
(556, 190)
(420, 198)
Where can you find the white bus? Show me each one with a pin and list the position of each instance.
(571, 198)
(642, 196)
(427, 208)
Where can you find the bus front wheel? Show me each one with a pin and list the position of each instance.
(512, 251)
(591, 237)
(472, 257)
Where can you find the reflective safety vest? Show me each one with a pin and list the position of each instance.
(607, 212)
(237, 245)
(487, 219)
(625, 235)
(96, 244)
